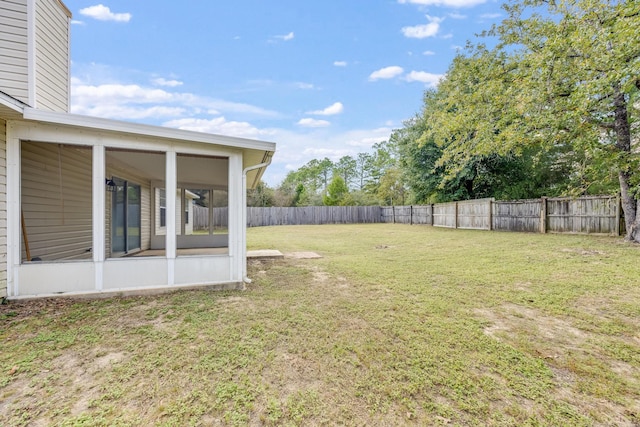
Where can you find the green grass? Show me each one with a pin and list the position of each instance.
(394, 325)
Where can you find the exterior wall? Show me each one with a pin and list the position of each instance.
(162, 231)
(56, 201)
(52, 56)
(3, 209)
(14, 78)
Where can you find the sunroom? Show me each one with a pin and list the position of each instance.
(100, 206)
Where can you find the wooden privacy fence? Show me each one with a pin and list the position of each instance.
(201, 217)
(312, 215)
(588, 215)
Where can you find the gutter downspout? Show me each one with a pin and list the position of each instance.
(243, 240)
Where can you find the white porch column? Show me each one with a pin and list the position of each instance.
(236, 230)
(99, 209)
(13, 211)
(171, 186)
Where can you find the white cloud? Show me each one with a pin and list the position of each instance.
(457, 16)
(446, 3)
(161, 81)
(333, 109)
(386, 73)
(285, 37)
(340, 63)
(305, 86)
(429, 79)
(428, 53)
(132, 101)
(313, 123)
(76, 22)
(490, 15)
(103, 13)
(423, 31)
(218, 125)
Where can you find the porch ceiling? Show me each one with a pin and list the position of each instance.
(205, 171)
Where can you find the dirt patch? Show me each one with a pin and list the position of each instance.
(74, 372)
(320, 276)
(559, 343)
(584, 252)
(16, 310)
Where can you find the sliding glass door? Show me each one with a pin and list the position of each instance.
(125, 217)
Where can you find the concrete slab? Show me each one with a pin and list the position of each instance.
(264, 254)
(303, 255)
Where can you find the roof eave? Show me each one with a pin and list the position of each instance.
(109, 125)
(11, 108)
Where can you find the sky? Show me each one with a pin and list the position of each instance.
(319, 78)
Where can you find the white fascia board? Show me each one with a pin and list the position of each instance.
(144, 130)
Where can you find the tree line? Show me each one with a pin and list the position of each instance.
(368, 178)
(550, 108)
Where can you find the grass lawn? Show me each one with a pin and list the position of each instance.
(394, 325)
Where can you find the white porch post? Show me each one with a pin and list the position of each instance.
(236, 230)
(13, 212)
(99, 209)
(171, 186)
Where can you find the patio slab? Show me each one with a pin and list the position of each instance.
(264, 254)
(303, 255)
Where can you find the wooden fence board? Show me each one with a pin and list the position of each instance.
(474, 214)
(445, 215)
(517, 215)
(592, 215)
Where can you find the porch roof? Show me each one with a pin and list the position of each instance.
(255, 152)
(10, 108)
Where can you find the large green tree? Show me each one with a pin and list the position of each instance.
(556, 98)
(577, 68)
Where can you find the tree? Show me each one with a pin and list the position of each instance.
(556, 100)
(336, 192)
(261, 196)
(301, 198)
(392, 190)
(582, 62)
(346, 167)
(363, 167)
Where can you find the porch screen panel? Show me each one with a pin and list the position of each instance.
(202, 205)
(56, 205)
(129, 216)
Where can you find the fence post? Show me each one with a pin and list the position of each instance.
(411, 215)
(393, 213)
(616, 226)
(456, 215)
(543, 215)
(432, 207)
(490, 214)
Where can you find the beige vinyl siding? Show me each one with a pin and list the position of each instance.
(14, 79)
(145, 208)
(161, 231)
(3, 209)
(52, 56)
(56, 201)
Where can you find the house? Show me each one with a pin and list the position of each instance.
(83, 200)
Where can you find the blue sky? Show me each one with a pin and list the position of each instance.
(320, 78)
